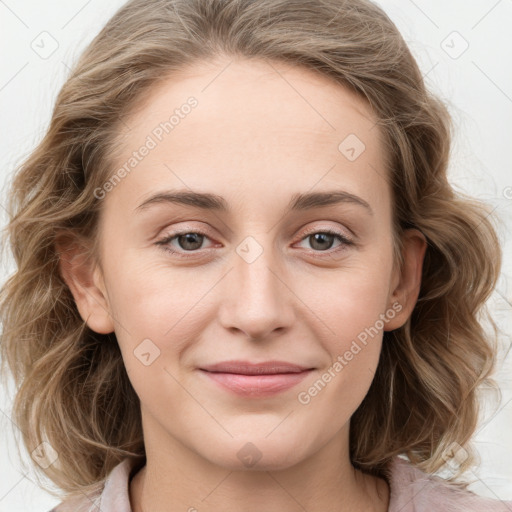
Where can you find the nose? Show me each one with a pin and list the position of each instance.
(256, 298)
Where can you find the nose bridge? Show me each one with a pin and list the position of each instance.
(258, 302)
(255, 268)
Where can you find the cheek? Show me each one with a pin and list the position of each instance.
(159, 311)
(352, 309)
(151, 295)
(353, 343)
(350, 300)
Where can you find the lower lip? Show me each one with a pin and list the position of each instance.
(257, 386)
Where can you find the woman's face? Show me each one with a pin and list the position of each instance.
(284, 156)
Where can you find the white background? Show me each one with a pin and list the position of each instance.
(475, 83)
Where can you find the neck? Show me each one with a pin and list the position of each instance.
(184, 481)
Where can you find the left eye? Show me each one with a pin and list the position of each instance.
(323, 240)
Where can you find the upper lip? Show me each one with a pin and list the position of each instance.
(248, 368)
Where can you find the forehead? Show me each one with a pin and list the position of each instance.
(256, 127)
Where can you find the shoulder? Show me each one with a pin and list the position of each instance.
(412, 490)
(112, 495)
(82, 503)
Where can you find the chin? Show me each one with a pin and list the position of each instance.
(258, 454)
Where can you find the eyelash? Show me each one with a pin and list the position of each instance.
(164, 242)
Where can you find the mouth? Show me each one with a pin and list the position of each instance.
(256, 380)
(248, 368)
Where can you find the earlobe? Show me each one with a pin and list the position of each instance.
(409, 279)
(85, 282)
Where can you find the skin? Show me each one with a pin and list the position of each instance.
(260, 134)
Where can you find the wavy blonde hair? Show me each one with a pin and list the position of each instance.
(69, 379)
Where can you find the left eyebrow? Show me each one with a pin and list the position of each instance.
(311, 200)
(298, 202)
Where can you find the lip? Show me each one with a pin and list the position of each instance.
(256, 380)
(248, 368)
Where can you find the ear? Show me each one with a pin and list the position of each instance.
(407, 280)
(85, 282)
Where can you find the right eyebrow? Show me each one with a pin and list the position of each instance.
(202, 200)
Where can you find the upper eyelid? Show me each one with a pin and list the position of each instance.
(337, 231)
(204, 232)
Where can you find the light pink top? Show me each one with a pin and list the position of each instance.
(411, 490)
